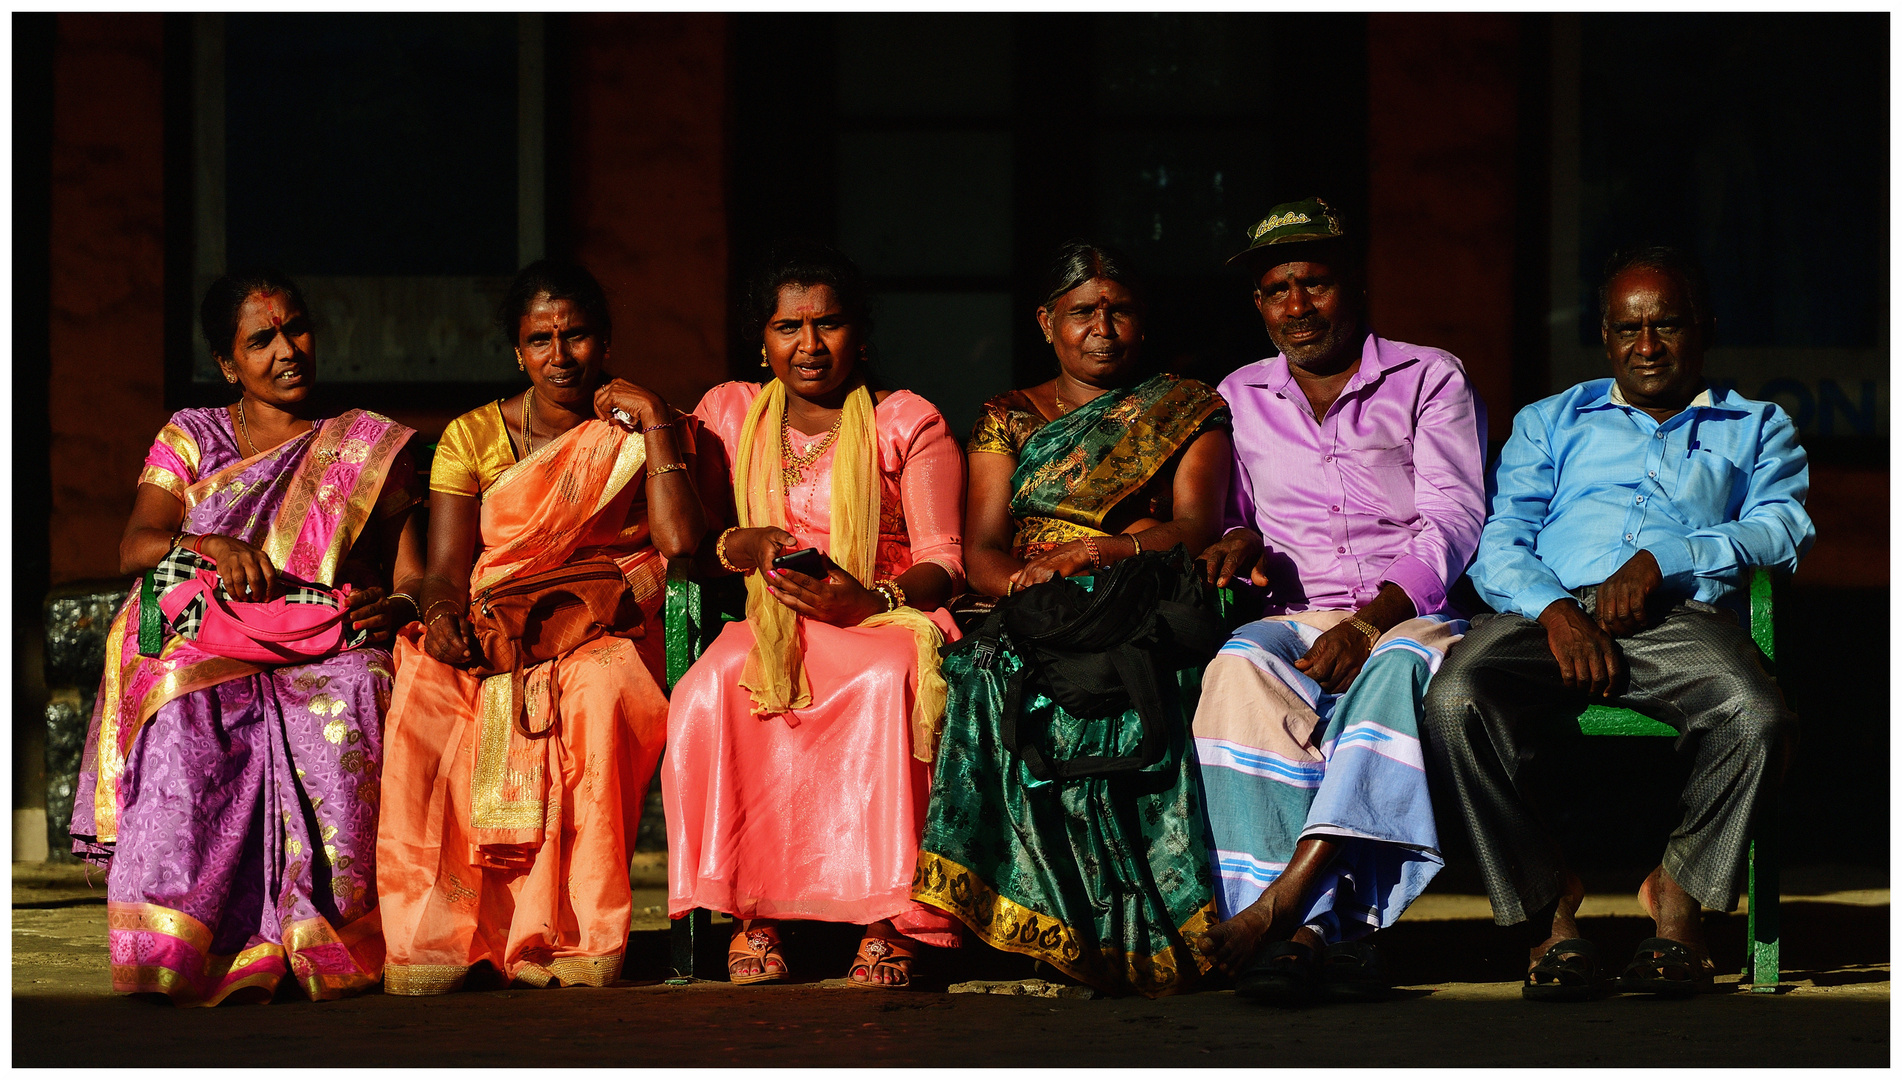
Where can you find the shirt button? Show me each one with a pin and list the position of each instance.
(1660, 434)
(1340, 551)
(1653, 474)
(1336, 509)
(1627, 536)
(1641, 500)
(1330, 457)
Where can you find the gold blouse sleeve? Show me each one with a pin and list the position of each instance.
(473, 451)
(992, 433)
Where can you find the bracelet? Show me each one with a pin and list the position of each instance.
(177, 539)
(893, 594)
(675, 467)
(198, 545)
(719, 551)
(411, 599)
(1365, 627)
(1096, 557)
(429, 622)
(660, 427)
(1138, 543)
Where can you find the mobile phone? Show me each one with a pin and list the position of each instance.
(808, 561)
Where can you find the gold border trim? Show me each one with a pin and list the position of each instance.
(488, 807)
(1013, 927)
(421, 980)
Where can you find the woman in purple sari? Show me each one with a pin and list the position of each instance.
(236, 804)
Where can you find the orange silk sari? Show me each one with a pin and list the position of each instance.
(500, 848)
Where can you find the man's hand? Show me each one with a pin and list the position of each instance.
(1336, 658)
(1588, 658)
(1237, 552)
(1623, 596)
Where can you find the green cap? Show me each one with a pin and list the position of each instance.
(1303, 222)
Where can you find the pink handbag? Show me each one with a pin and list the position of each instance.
(288, 630)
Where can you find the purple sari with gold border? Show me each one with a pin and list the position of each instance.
(236, 804)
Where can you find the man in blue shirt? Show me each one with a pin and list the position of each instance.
(1628, 515)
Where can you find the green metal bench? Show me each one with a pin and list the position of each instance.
(694, 614)
(1761, 945)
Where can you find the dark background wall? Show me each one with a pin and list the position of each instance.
(1490, 160)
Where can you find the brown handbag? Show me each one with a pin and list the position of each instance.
(524, 621)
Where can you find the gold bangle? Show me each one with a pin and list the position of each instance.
(1138, 543)
(719, 551)
(411, 599)
(893, 593)
(428, 622)
(1365, 627)
(675, 467)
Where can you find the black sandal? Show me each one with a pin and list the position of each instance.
(1286, 974)
(1351, 971)
(1648, 972)
(1567, 972)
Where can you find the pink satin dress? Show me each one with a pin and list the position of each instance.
(816, 813)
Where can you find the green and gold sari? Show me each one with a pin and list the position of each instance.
(1106, 879)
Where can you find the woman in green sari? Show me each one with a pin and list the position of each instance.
(1106, 879)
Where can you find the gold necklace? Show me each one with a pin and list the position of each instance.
(245, 429)
(528, 434)
(793, 466)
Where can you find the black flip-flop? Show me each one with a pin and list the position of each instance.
(1646, 972)
(1351, 971)
(1287, 974)
(1568, 971)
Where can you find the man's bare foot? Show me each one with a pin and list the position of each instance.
(1233, 942)
(1564, 919)
(1680, 918)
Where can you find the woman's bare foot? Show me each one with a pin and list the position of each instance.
(769, 963)
(884, 957)
(1564, 919)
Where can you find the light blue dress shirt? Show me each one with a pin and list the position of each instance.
(1586, 481)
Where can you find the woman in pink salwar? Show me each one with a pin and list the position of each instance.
(799, 747)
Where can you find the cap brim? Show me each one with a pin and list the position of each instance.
(1307, 249)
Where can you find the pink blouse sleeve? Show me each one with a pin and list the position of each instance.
(931, 483)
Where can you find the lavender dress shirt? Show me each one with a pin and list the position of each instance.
(1388, 486)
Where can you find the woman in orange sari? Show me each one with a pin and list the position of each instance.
(799, 746)
(499, 846)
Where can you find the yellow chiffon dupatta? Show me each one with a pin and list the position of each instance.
(775, 672)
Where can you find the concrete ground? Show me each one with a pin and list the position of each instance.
(1459, 1005)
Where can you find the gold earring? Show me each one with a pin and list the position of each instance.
(762, 357)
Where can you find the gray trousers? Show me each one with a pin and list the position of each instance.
(1498, 700)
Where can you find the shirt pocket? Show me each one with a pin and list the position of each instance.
(1379, 481)
(1710, 489)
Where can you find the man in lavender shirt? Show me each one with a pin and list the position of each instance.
(1356, 501)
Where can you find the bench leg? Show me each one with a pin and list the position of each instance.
(1762, 951)
(689, 931)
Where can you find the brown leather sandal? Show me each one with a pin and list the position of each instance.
(759, 943)
(894, 953)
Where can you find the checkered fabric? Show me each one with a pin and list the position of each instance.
(182, 565)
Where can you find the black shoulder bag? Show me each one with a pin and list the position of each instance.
(1098, 653)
